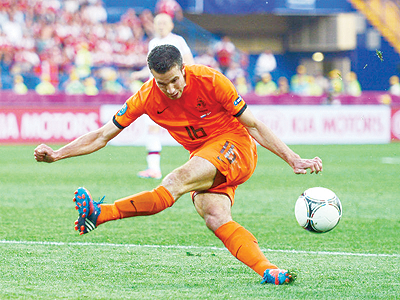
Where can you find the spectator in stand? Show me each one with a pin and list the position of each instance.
(45, 87)
(207, 59)
(45, 38)
(147, 22)
(12, 29)
(283, 86)
(25, 60)
(71, 6)
(171, 8)
(95, 12)
(266, 86)
(335, 83)
(5, 44)
(353, 86)
(74, 86)
(6, 65)
(111, 84)
(19, 85)
(394, 85)
(234, 71)
(51, 5)
(314, 89)
(335, 88)
(128, 21)
(83, 60)
(90, 86)
(322, 81)
(3, 15)
(241, 85)
(224, 52)
(299, 82)
(243, 58)
(51, 61)
(265, 63)
(135, 85)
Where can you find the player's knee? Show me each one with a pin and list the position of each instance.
(175, 183)
(214, 221)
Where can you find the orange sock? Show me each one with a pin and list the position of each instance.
(244, 246)
(142, 204)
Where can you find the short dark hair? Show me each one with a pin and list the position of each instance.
(163, 58)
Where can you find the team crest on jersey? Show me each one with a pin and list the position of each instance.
(123, 109)
(201, 105)
(238, 100)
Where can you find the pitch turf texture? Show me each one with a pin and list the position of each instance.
(173, 255)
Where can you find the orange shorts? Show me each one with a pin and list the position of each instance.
(234, 155)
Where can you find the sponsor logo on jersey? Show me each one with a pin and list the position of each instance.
(123, 109)
(238, 100)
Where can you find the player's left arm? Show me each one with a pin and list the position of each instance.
(266, 138)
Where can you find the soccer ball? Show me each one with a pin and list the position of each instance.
(318, 210)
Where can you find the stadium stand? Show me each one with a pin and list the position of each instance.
(56, 38)
(62, 37)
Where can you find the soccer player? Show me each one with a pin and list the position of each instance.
(163, 26)
(202, 110)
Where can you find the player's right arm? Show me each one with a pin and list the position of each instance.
(266, 138)
(87, 143)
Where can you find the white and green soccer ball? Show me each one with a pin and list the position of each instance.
(318, 210)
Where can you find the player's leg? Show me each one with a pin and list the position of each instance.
(196, 174)
(215, 209)
(236, 158)
(153, 147)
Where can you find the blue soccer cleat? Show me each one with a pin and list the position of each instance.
(278, 276)
(88, 211)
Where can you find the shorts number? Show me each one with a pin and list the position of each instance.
(227, 151)
(195, 133)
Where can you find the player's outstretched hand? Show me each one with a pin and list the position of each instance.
(44, 153)
(301, 165)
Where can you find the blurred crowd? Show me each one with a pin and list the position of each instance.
(68, 46)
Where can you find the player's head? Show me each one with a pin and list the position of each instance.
(163, 25)
(165, 63)
(163, 58)
(394, 80)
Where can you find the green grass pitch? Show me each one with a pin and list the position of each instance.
(173, 255)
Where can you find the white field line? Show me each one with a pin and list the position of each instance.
(111, 245)
(391, 160)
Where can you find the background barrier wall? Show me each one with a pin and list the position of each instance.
(33, 119)
(364, 124)
(47, 125)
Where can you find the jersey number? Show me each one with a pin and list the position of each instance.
(195, 133)
(227, 151)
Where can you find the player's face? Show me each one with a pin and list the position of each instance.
(172, 82)
(163, 26)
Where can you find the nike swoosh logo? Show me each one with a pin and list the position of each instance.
(160, 112)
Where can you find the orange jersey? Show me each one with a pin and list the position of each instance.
(207, 108)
